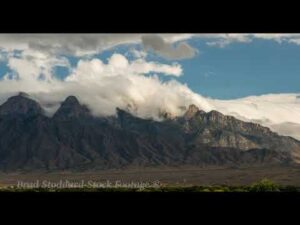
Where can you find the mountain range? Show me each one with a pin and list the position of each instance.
(74, 139)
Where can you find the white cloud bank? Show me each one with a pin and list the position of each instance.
(89, 44)
(119, 65)
(170, 46)
(134, 85)
(280, 112)
(123, 83)
(222, 40)
(102, 86)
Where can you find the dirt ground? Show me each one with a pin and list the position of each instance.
(182, 176)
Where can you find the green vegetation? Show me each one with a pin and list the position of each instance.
(264, 185)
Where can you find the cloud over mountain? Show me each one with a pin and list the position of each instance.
(134, 85)
(137, 83)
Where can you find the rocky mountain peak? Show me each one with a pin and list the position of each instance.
(121, 112)
(214, 115)
(21, 104)
(71, 100)
(191, 111)
(123, 115)
(74, 139)
(23, 94)
(71, 108)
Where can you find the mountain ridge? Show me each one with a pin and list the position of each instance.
(75, 139)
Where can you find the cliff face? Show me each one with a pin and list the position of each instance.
(74, 139)
(218, 130)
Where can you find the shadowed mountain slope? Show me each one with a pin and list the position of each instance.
(74, 139)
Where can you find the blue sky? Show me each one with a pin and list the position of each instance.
(243, 69)
(236, 70)
(106, 71)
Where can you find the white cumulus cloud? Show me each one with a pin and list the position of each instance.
(119, 65)
(124, 83)
(131, 84)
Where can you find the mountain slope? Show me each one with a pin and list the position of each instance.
(74, 139)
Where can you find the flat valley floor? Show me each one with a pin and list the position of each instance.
(179, 176)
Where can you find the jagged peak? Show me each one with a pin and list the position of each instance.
(119, 110)
(71, 100)
(191, 111)
(193, 107)
(122, 112)
(215, 113)
(20, 95)
(23, 94)
(21, 104)
(71, 108)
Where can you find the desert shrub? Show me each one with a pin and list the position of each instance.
(206, 190)
(264, 185)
